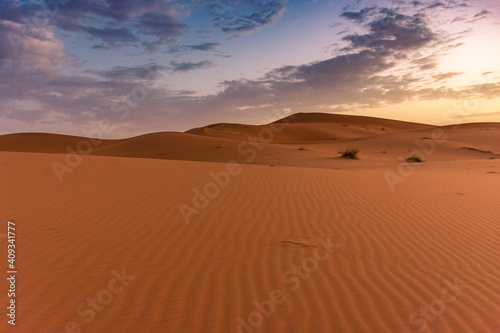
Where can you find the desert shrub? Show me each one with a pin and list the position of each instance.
(349, 153)
(414, 159)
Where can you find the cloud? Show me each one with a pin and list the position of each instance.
(132, 73)
(482, 13)
(38, 54)
(381, 67)
(448, 4)
(237, 16)
(111, 37)
(209, 46)
(357, 16)
(395, 31)
(156, 46)
(189, 66)
(147, 24)
(35, 84)
(436, 5)
(426, 63)
(384, 65)
(446, 76)
(364, 79)
(458, 19)
(159, 25)
(204, 46)
(338, 80)
(122, 10)
(114, 23)
(221, 55)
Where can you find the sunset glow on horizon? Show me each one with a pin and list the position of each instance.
(158, 65)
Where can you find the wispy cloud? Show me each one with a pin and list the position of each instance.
(482, 13)
(445, 76)
(207, 47)
(189, 66)
(204, 46)
(111, 37)
(358, 16)
(132, 73)
(159, 25)
(237, 16)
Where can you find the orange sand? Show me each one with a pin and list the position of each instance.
(387, 249)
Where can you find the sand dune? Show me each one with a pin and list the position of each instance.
(314, 244)
(308, 140)
(303, 127)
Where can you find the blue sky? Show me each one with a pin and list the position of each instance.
(153, 65)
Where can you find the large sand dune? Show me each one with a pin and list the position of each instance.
(310, 140)
(315, 243)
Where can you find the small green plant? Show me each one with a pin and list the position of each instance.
(349, 153)
(414, 159)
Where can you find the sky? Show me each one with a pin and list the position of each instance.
(70, 67)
